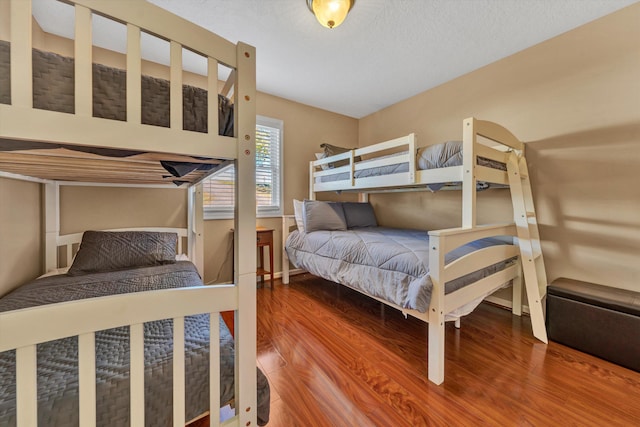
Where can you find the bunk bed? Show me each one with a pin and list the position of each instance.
(437, 275)
(81, 144)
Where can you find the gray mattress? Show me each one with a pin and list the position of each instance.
(436, 156)
(388, 263)
(57, 360)
(53, 89)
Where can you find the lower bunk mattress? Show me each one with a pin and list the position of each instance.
(387, 263)
(57, 360)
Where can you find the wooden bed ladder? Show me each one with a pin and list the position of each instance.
(535, 276)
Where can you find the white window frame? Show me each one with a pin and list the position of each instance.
(262, 211)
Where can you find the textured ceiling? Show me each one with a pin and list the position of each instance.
(386, 50)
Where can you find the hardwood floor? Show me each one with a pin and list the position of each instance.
(336, 358)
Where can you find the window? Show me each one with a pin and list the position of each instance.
(219, 190)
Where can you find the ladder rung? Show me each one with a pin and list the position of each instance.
(531, 214)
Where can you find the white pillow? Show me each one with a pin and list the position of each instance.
(298, 212)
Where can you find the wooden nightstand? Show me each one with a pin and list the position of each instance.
(264, 237)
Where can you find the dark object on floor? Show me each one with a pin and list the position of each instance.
(598, 320)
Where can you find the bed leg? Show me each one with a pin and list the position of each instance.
(285, 270)
(436, 349)
(457, 323)
(285, 258)
(516, 304)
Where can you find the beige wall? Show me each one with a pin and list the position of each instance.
(575, 100)
(85, 208)
(5, 29)
(20, 233)
(305, 128)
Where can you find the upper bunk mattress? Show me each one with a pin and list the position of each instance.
(53, 89)
(388, 263)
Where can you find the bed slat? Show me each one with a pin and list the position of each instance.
(175, 100)
(83, 55)
(136, 376)
(26, 386)
(393, 143)
(134, 73)
(492, 153)
(178, 372)
(21, 60)
(87, 379)
(458, 236)
(155, 20)
(214, 369)
(477, 260)
(492, 175)
(212, 101)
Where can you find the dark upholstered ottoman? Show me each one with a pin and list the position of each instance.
(598, 320)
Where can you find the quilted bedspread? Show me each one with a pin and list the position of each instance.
(388, 263)
(57, 360)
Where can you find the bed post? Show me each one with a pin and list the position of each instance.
(469, 174)
(312, 193)
(435, 350)
(51, 213)
(245, 236)
(516, 296)
(286, 223)
(195, 227)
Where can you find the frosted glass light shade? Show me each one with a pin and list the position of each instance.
(330, 13)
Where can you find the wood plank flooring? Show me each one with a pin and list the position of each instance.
(336, 358)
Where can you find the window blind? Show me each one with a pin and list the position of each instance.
(219, 189)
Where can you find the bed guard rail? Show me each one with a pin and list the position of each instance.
(324, 176)
(56, 321)
(138, 16)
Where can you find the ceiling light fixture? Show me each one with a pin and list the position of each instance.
(330, 13)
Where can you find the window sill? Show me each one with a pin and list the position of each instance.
(209, 216)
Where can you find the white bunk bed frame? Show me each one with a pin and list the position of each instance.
(20, 121)
(499, 145)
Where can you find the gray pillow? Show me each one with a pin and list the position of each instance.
(332, 150)
(102, 251)
(440, 155)
(323, 216)
(359, 215)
